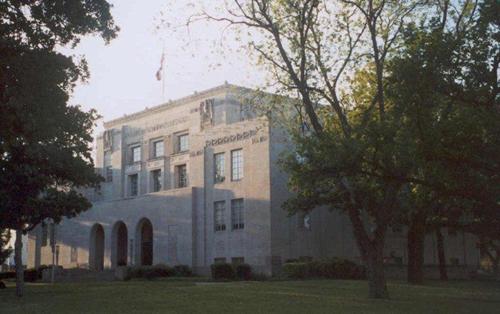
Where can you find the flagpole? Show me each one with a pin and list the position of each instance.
(163, 74)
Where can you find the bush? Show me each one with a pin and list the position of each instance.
(182, 271)
(296, 270)
(8, 275)
(333, 268)
(149, 272)
(222, 271)
(243, 272)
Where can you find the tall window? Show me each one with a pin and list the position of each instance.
(182, 179)
(182, 143)
(158, 149)
(135, 154)
(219, 168)
(237, 164)
(45, 234)
(74, 254)
(156, 178)
(109, 174)
(237, 216)
(134, 184)
(108, 169)
(219, 216)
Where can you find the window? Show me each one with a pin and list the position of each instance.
(219, 168)
(74, 254)
(109, 174)
(181, 175)
(158, 148)
(156, 180)
(135, 154)
(219, 213)
(237, 261)
(236, 164)
(45, 234)
(237, 217)
(182, 143)
(219, 260)
(133, 183)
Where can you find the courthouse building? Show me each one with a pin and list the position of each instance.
(195, 181)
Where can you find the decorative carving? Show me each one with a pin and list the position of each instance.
(107, 138)
(207, 113)
(231, 138)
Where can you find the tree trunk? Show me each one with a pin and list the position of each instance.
(375, 274)
(443, 274)
(18, 257)
(416, 239)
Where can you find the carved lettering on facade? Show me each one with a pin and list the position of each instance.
(158, 126)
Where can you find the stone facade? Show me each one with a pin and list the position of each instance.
(158, 202)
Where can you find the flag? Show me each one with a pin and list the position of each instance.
(158, 73)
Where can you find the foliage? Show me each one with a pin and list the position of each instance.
(444, 85)
(150, 272)
(183, 271)
(332, 269)
(4, 240)
(45, 144)
(222, 271)
(295, 270)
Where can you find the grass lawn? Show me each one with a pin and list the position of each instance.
(311, 296)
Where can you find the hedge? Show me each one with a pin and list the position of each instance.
(30, 275)
(222, 271)
(243, 272)
(157, 271)
(333, 268)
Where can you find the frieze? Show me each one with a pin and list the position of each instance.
(231, 138)
(158, 126)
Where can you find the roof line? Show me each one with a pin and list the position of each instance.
(171, 104)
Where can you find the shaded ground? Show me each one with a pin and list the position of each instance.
(312, 296)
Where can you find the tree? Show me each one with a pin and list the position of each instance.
(444, 80)
(4, 250)
(45, 150)
(349, 160)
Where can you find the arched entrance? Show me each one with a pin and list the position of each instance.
(144, 236)
(96, 248)
(119, 247)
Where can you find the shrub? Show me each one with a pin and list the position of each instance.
(30, 275)
(8, 275)
(332, 268)
(243, 272)
(182, 271)
(222, 271)
(296, 270)
(149, 272)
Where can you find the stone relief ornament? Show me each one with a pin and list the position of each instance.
(108, 139)
(207, 112)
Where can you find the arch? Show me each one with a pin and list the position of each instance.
(144, 242)
(119, 244)
(96, 247)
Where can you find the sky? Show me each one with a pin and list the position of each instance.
(122, 73)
